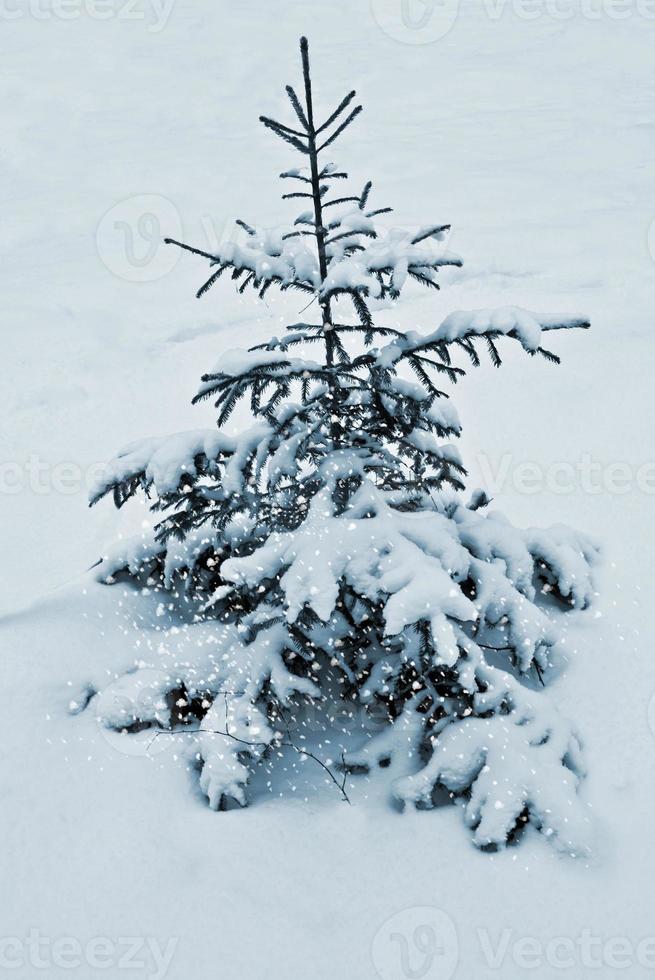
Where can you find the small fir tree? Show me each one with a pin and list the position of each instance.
(329, 545)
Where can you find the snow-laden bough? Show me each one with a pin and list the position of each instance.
(329, 546)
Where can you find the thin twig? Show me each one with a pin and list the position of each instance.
(313, 300)
(486, 646)
(344, 769)
(539, 672)
(291, 745)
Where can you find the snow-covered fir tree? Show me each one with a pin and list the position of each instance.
(330, 544)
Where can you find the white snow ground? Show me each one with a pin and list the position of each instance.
(532, 132)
